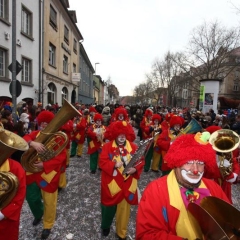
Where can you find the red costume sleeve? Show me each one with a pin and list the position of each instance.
(163, 141)
(13, 209)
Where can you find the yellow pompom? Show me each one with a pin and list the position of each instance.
(124, 123)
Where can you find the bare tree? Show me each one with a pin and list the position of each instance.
(161, 76)
(210, 54)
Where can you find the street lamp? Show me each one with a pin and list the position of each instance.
(96, 67)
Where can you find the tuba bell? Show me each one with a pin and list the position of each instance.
(9, 143)
(53, 139)
(192, 127)
(224, 141)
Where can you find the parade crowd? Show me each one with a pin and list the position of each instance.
(178, 144)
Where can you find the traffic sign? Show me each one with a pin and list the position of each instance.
(18, 67)
(18, 88)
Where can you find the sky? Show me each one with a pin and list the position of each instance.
(126, 36)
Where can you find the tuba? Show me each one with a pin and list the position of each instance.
(53, 139)
(224, 141)
(214, 219)
(9, 143)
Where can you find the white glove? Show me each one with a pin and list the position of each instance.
(226, 163)
(233, 179)
(1, 216)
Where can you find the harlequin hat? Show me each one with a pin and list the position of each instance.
(120, 127)
(176, 120)
(45, 116)
(156, 117)
(191, 147)
(98, 116)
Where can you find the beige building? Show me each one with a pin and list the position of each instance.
(61, 39)
(187, 91)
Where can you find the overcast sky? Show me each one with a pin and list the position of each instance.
(126, 36)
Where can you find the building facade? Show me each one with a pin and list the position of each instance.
(28, 48)
(85, 90)
(61, 51)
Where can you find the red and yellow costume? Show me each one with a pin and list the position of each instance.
(44, 184)
(118, 191)
(162, 211)
(78, 136)
(165, 139)
(96, 138)
(9, 226)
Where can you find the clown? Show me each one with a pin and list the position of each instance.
(118, 191)
(162, 212)
(42, 186)
(166, 138)
(96, 139)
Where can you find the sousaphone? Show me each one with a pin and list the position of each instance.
(9, 143)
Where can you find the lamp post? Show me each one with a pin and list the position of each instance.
(96, 67)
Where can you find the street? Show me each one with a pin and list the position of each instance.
(78, 210)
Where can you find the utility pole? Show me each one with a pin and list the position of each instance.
(14, 97)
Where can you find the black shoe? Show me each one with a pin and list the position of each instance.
(67, 165)
(105, 232)
(79, 156)
(45, 233)
(145, 170)
(93, 172)
(36, 221)
(60, 189)
(156, 171)
(72, 156)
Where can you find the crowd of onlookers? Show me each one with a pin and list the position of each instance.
(26, 115)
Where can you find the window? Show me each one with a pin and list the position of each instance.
(53, 17)
(66, 34)
(26, 71)
(74, 67)
(184, 93)
(51, 93)
(65, 93)
(52, 55)
(2, 63)
(26, 22)
(4, 9)
(75, 46)
(65, 64)
(235, 86)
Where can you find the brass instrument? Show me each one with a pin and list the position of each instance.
(53, 139)
(136, 157)
(9, 143)
(192, 127)
(224, 141)
(214, 219)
